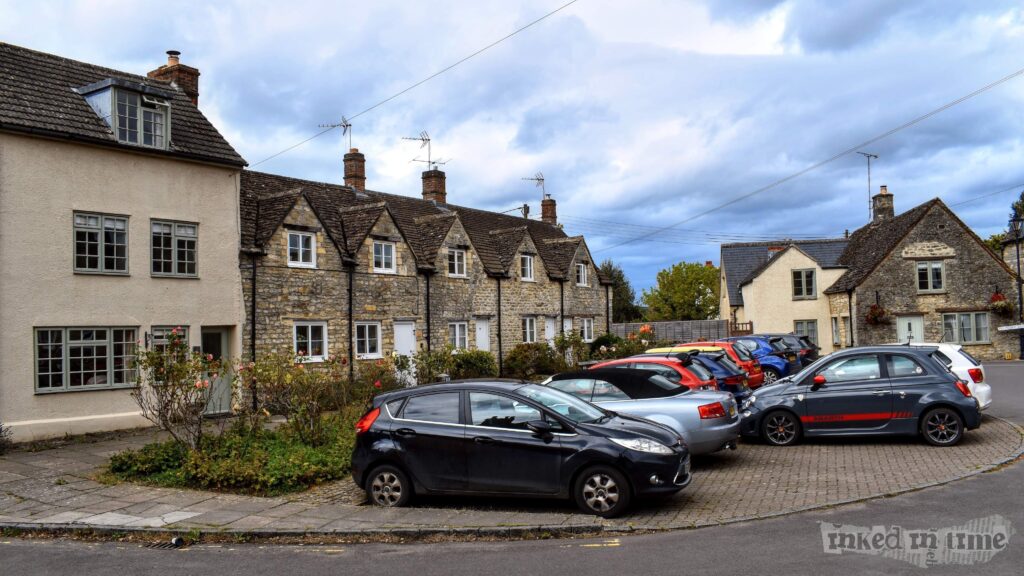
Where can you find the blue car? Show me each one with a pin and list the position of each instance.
(776, 360)
(730, 377)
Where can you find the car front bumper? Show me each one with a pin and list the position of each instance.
(652, 474)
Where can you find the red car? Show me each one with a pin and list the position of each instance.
(741, 356)
(691, 375)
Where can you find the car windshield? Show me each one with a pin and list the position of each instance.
(563, 404)
(808, 370)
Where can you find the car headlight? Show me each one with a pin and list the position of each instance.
(642, 445)
(749, 402)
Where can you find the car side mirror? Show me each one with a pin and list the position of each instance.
(540, 427)
(818, 382)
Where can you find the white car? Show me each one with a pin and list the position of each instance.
(964, 366)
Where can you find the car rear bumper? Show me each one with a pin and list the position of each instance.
(755, 380)
(983, 392)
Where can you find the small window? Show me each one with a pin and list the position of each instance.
(162, 335)
(581, 275)
(457, 335)
(808, 328)
(847, 327)
(84, 358)
(101, 243)
(142, 119)
(803, 285)
(587, 329)
(580, 388)
(607, 392)
(852, 369)
(384, 257)
(930, 277)
(904, 367)
(301, 250)
(174, 246)
(457, 263)
(966, 328)
(836, 336)
(442, 408)
(495, 411)
(368, 339)
(529, 330)
(309, 340)
(526, 267)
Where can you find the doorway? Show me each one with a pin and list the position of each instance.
(215, 342)
(483, 334)
(405, 345)
(910, 329)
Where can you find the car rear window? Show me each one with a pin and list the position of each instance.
(724, 360)
(967, 355)
(942, 358)
(742, 353)
(699, 371)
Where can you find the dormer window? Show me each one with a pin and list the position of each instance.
(137, 113)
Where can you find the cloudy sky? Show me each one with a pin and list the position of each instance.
(640, 114)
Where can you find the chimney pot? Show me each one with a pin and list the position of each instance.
(882, 205)
(709, 264)
(173, 57)
(549, 210)
(434, 186)
(184, 77)
(355, 169)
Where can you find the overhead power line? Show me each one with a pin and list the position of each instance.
(828, 160)
(600, 225)
(421, 82)
(983, 196)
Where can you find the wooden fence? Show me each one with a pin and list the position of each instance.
(678, 330)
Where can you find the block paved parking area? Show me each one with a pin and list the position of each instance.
(52, 488)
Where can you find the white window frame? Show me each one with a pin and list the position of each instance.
(367, 354)
(957, 336)
(81, 222)
(458, 335)
(837, 338)
(529, 325)
(373, 257)
(308, 325)
(58, 357)
(930, 265)
(178, 233)
(456, 260)
(587, 329)
(581, 275)
(526, 268)
(300, 263)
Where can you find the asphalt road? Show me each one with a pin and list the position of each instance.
(787, 545)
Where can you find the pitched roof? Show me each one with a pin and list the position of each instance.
(870, 244)
(349, 214)
(742, 261)
(38, 97)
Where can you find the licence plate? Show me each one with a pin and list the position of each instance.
(791, 358)
(732, 410)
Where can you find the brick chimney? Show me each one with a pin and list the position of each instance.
(184, 77)
(882, 205)
(548, 211)
(433, 186)
(355, 169)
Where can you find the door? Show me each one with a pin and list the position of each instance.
(549, 331)
(503, 455)
(909, 381)
(215, 342)
(855, 397)
(910, 328)
(405, 344)
(483, 334)
(431, 440)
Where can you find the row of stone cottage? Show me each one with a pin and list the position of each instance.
(126, 214)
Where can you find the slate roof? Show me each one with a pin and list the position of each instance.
(742, 261)
(37, 96)
(349, 214)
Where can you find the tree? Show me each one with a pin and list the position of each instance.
(686, 291)
(995, 243)
(624, 308)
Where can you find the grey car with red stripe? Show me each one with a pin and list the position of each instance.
(866, 391)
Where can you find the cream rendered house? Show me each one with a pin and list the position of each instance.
(119, 220)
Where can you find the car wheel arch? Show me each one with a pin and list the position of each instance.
(939, 404)
(575, 476)
(389, 460)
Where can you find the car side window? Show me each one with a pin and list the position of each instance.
(852, 369)
(496, 411)
(665, 371)
(607, 392)
(578, 387)
(904, 366)
(442, 408)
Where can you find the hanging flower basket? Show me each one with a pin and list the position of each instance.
(877, 316)
(1000, 306)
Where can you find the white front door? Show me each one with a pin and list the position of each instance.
(483, 334)
(549, 330)
(910, 328)
(405, 344)
(567, 325)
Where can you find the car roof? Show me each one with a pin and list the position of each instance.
(887, 348)
(687, 348)
(496, 384)
(635, 382)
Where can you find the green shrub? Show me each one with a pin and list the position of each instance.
(572, 348)
(5, 439)
(473, 364)
(606, 341)
(151, 459)
(431, 364)
(528, 361)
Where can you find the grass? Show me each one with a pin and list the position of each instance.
(263, 463)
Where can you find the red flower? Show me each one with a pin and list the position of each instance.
(997, 297)
(376, 384)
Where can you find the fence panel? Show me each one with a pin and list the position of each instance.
(678, 330)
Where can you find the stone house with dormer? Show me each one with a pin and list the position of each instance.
(342, 270)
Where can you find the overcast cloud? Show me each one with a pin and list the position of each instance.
(638, 113)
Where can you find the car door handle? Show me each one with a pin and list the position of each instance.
(484, 440)
(880, 392)
(405, 432)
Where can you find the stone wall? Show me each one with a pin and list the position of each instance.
(455, 299)
(588, 301)
(520, 298)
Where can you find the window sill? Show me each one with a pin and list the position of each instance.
(309, 359)
(527, 280)
(377, 356)
(932, 292)
(799, 298)
(298, 265)
(385, 271)
(458, 276)
(101, 273)
(583, 285)
(39, 392)
(177, 276)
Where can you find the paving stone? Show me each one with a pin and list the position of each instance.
(66, 517)
(110, 519)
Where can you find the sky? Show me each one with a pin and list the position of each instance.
(639, 114)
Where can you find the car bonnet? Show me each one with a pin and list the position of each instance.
(626, 426)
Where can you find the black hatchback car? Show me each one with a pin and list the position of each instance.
(865, 391)
(513, 439)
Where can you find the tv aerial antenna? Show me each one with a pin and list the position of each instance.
(869, 156)
(424, 140)
(538, 180)
(346, 128)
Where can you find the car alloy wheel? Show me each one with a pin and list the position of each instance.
(770, 376)
(781, 428)
(942, 427)
(603, 491)
(388, 487)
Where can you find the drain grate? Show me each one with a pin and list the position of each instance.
(164, 546)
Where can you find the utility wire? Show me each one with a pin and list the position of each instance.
(976, 198)
(580, 222)
(828, 160)
(421, 82)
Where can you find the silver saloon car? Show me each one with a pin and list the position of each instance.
(707, 421)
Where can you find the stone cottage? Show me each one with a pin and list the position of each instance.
(342, 270)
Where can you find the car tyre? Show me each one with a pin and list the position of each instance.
(388, 486)
(781, 428)
(942, 427)
(602, 490)
(771, 375)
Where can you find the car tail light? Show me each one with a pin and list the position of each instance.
(976, 374)
(713, 410)
(962, 386)
(367, 420)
